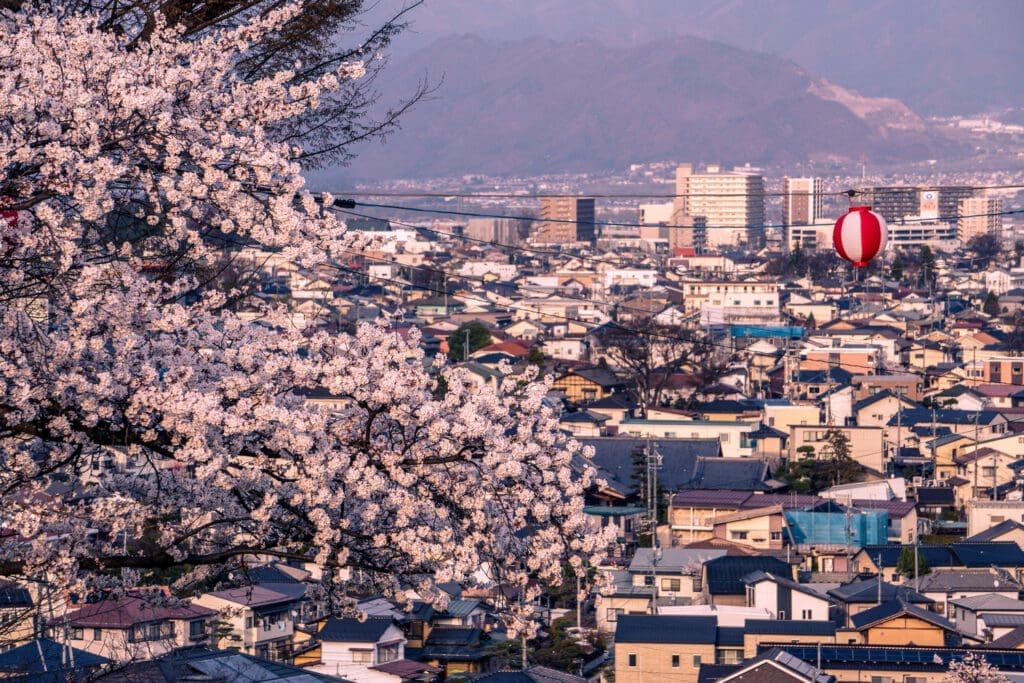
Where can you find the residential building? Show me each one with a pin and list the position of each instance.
(732, 203)
(565, 220)
(802, 201)
(134, 627)
(977, 216)
(255, 620)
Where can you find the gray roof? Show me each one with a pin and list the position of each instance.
(673, 559)
(758, 576)
(866, 591)
(1000, 620)
(893, 608)
(790, 627)
(613, 456)
(946, 580)
(990, 602)
(993, 533)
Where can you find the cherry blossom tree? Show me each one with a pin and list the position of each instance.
(138, 170)
(973, 668)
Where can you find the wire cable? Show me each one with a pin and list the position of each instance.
(861, 191)
(618, 224)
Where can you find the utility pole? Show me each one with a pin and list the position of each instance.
(465, 346)
(975, 496)
(653, 465)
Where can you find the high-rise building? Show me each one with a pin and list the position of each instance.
(500, 230)
(977, 216)
(731, 203)
(893, 203)
(802, 202)
(949, 200)
(564, 220)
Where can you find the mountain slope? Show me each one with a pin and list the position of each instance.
(543, 106)
(938, 57)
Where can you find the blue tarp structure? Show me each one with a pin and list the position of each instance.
(767, 331)
(858, 528)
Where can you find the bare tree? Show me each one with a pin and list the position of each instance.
(652, 354)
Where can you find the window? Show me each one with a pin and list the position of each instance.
(248, 621)
(776, 535)
(97, 634)
(675, 661)
(613, 614)
(362, 656)
(632, 659)
(724, 437)
(196, 628)
(806, 614)
(782, 615)
(670, 585)
(698, 583)
(696, 661)
(648, 580)
(738, 535)
(76, 634)
(387, 653)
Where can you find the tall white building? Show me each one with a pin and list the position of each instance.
(973, 221)
(731, 202)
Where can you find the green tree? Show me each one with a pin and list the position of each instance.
(478, 337)
(927, 265)
(905, 563)
(896, 268)
(564, 653)
(991, 305)
(837, 466)
(535, 357)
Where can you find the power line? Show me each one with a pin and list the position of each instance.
(618, 224)
(867, 191)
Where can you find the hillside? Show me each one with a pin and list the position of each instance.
(938, 57)
(541, 106)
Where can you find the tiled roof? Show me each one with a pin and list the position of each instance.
(128, 611)
(894, 608)
(790, 627)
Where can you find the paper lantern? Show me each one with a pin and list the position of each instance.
(860, 235)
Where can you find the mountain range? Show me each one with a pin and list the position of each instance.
(539, 105)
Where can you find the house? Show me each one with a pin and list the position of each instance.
(947, 585)
(353, 649)
(876, 410)
(784, 598)
(760, 631)
(776, 666)
(256, 620)
(1006, 530)
(675, 577)
(16, 615)
(584, 385)
(1002, 555)
(864, 594)
(663, 648)
(583, 423)
(723, 577)
(133, 627)
(980, 615)
(899, 622)
(456, 650)
(866, 443)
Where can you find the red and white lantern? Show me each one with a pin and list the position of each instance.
(860, 235)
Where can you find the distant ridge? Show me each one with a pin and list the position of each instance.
(544, 106)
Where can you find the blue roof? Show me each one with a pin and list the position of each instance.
(725, 574)
(666, 629)
(45, 656)
(785, 627)
(944, 416)
(351, 630)
(730, 636)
